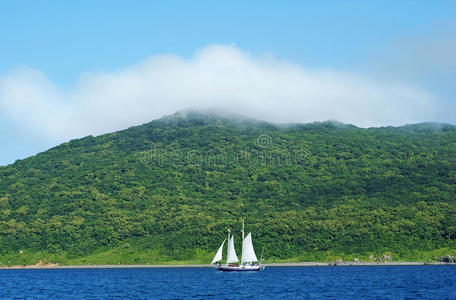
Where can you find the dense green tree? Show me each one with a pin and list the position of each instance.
(176, 184)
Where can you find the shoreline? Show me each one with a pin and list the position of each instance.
(300, 264)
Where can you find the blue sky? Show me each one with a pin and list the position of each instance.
(59, 50)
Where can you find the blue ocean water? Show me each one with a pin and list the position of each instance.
(356, 282)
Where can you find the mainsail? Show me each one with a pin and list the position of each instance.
(218, 255)
(248, 254)
(231, 257)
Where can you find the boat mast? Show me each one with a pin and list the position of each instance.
(242, 249)
(228, 247)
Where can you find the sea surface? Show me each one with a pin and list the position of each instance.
(353, 282)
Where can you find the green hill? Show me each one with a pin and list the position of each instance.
(167, 190)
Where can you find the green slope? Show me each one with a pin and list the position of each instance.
(167, 191)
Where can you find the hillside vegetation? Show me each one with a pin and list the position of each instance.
(168, 190)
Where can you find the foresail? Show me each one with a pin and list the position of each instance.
(248, 254)
(231, 257)
(218, 255)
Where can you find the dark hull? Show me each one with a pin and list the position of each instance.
(240, 269)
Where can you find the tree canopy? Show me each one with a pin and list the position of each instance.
(173, 186)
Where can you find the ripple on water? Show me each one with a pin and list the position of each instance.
(398, 282)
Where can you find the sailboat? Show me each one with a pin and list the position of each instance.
(248, 262)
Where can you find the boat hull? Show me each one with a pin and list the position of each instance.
(240, 268)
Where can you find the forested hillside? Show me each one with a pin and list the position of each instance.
(168, 190)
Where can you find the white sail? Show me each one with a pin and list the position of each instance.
(231, 257)
(218, 255)
(248, 254)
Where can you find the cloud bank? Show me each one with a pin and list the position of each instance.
(217, 76)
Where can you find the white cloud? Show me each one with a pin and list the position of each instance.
(216, 77)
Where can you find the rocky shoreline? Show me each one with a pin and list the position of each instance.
(300, 264)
